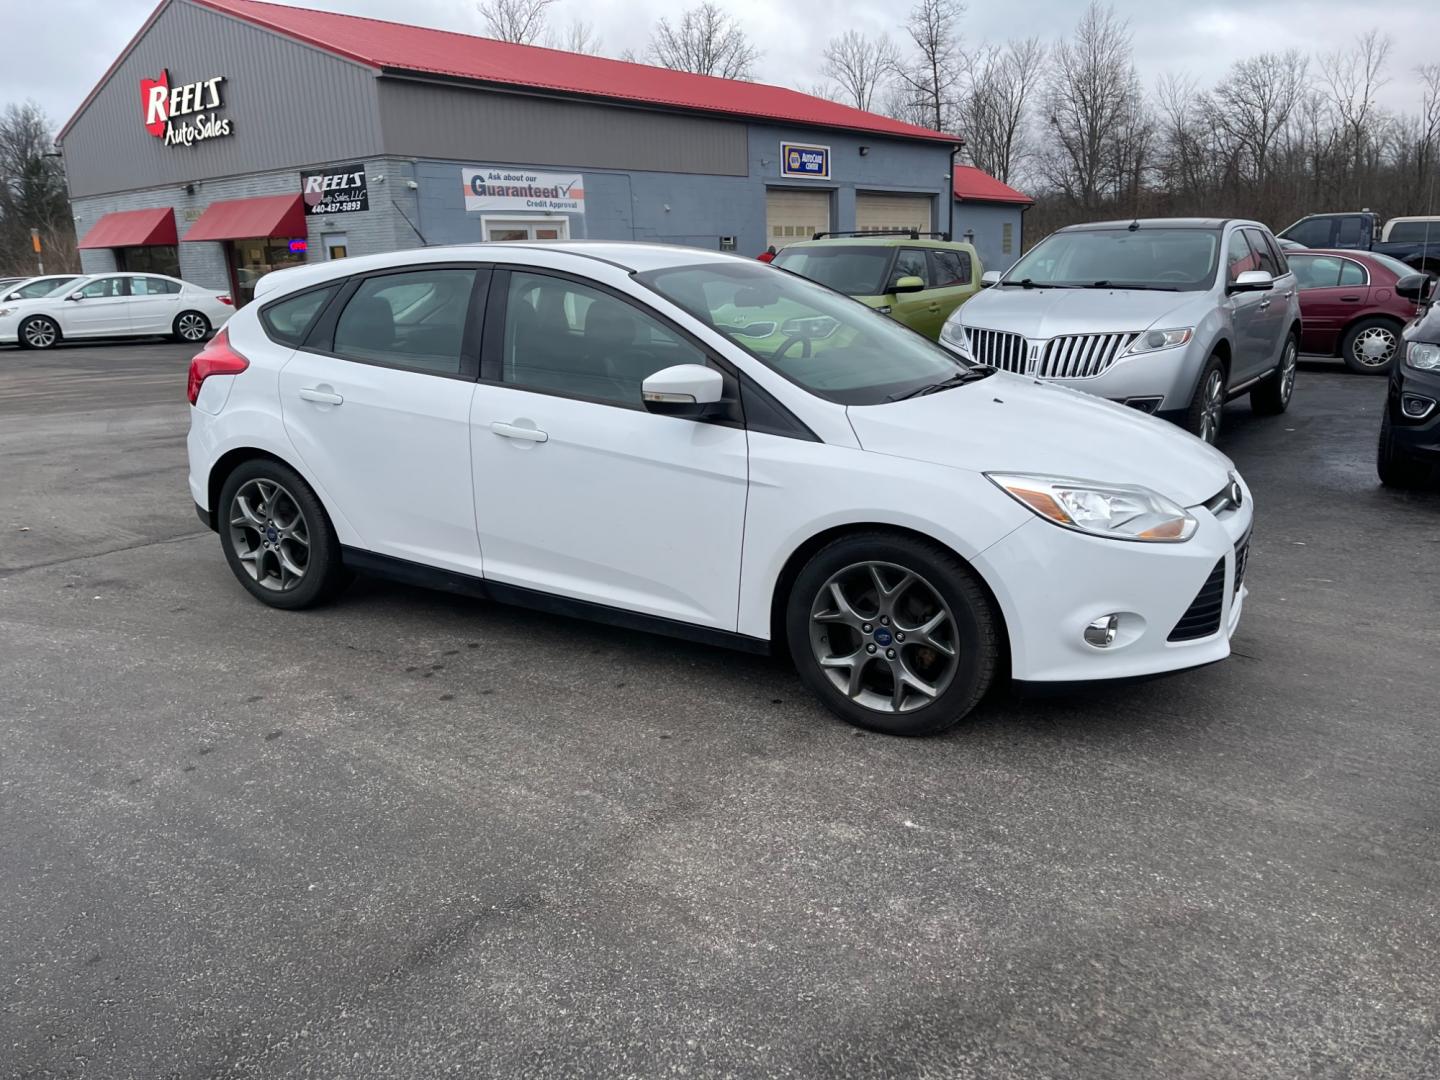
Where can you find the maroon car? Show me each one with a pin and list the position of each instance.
(1349, 307)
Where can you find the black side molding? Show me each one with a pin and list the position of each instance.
(206, 518)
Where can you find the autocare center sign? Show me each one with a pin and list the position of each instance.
(491, 187)
(340, 189)
(184, 114)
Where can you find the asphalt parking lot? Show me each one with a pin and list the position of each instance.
(415, 836)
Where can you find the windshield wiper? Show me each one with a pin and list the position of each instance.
(960, 378)
(1031, 283)
(1107, 284)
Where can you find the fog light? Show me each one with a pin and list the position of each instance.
(1101, 632)
(1416, 407)
(1144, 404)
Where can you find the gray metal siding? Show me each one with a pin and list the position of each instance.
(289, 104)
(421, 119)
(987, 221)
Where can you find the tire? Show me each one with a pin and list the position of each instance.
(1271, 396)
(1370, 346)
(1396, 469)
(191, 327)
(279, 542)
(932, 680)
(1203, 416)
(39, 332)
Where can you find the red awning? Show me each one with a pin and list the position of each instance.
(241, 219)
(132, 228)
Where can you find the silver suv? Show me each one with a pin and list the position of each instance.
(1173, 316)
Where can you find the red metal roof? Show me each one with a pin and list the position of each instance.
(972, 185)
(242, 219)
(132, 228)
(399, 47)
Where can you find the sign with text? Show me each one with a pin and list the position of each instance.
(805, 161)
(339, 189)
(186, 113)
(493, 187)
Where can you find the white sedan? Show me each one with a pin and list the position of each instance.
(701, 445)
(115, 305)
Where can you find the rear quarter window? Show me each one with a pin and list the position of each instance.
(288, 321)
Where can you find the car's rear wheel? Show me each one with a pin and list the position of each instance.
(1207, 407)
(1272, 396)
(190, 326)
(1396, 468)
(892, 633)
(1370, 346)
(39, 332)
(277, 537)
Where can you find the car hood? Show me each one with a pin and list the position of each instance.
(1047, 313)
(1009, 423)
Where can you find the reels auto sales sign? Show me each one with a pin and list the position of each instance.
(185, 113)
(341, 189)
(492, 187)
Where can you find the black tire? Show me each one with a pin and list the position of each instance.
(191, 327)
(323, 572)
(39, 332)
(1397, 469)
(1199, 419)
(971, 631)
(1271, 396)
(1379, 330)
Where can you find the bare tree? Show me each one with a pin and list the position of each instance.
(32, 194)
(859, 65)
(931, 80)
(995, 104)
(1350, 79)
(578, 37)
(707, 42)
(518, 21)
(1253, 105)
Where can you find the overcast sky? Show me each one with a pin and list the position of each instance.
(67, 44)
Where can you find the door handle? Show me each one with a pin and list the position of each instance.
(324, 397)
(1350, 299)
(1289, 294)
(514, 431)
(1264, 304)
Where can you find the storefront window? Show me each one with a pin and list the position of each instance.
(158, 259)
(253, 259)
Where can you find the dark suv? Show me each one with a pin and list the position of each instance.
(1410, 430)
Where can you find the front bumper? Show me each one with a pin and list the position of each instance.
(1051, 583)
(1418, 438)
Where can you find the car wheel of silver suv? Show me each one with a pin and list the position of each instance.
(1207, 407)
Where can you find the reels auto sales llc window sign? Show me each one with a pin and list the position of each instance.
(184, 114)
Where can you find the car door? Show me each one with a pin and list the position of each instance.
(579, 491)
(377, 405)
(1273, 323)
(102, 308)
(917, 310)
(153, 304)
(1246, 316)
(952, 280)
(1332, 290)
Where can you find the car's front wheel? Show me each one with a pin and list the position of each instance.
(39, 332)
(277, 537)
(1207, 407)
(892, 633)
(190, 326)
(1396, 468)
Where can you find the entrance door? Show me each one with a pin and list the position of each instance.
(526, 228)
(795, 215)
(336, 245)
(889, 213)
(250, 260)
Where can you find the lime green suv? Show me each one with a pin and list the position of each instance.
(915, 278)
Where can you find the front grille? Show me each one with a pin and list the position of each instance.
(1081, 356)
(998, 349)
(1242, 560)
(1202, 618)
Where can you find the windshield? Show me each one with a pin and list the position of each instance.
(834, 347)
(1183, 260)
(855, 271)
(32, 290)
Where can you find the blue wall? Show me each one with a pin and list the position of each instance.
(988, 221)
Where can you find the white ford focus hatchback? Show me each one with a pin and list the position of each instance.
(702, 445)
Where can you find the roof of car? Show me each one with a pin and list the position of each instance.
(885, 240)
(1160, 223)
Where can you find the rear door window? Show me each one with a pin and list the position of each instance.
(413, 320)
(910, 262)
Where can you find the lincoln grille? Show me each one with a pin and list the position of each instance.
(1081, 356)
(1203, 616)
(999, 349)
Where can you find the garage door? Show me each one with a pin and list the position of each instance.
(875, 213)
(795, 215)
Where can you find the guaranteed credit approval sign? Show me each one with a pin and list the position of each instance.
(494, 187)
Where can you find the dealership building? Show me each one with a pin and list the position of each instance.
(232, 137)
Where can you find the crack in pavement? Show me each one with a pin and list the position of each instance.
(12, 571)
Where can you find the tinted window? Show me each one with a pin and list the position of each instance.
(1316, 271)
(1312, 233)
(564, 337)
(1179, 259)
(1414, 232)
(414, 320)
(854, 271)
(1264, 257)
(104, 287)
(290, 320)
(1238, 256)
(1350, 233)
(949, 268)
(149, 286)
(1395, 266)
(1353, 274)
(36, 289)
(910, 262)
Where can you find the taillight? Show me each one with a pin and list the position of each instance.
(225, 300)
(217, 358)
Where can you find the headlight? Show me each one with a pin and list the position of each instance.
(1155, 340)
(1417, 355)
(953, 333)
(1117, 511)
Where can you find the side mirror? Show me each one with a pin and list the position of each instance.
(1252, 281)
(75, 296)
(990, 279)
(683, 390)
(1417, 287)
(908, 284)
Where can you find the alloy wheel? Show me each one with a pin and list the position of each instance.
(192, 327)
(270, 535)
(1375, 347)
(39, 333)
(1214, 405)
(884, 637)
(1288, 363)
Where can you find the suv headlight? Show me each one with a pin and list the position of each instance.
(1418, 355)
(1117, 511)
(1155, 340)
